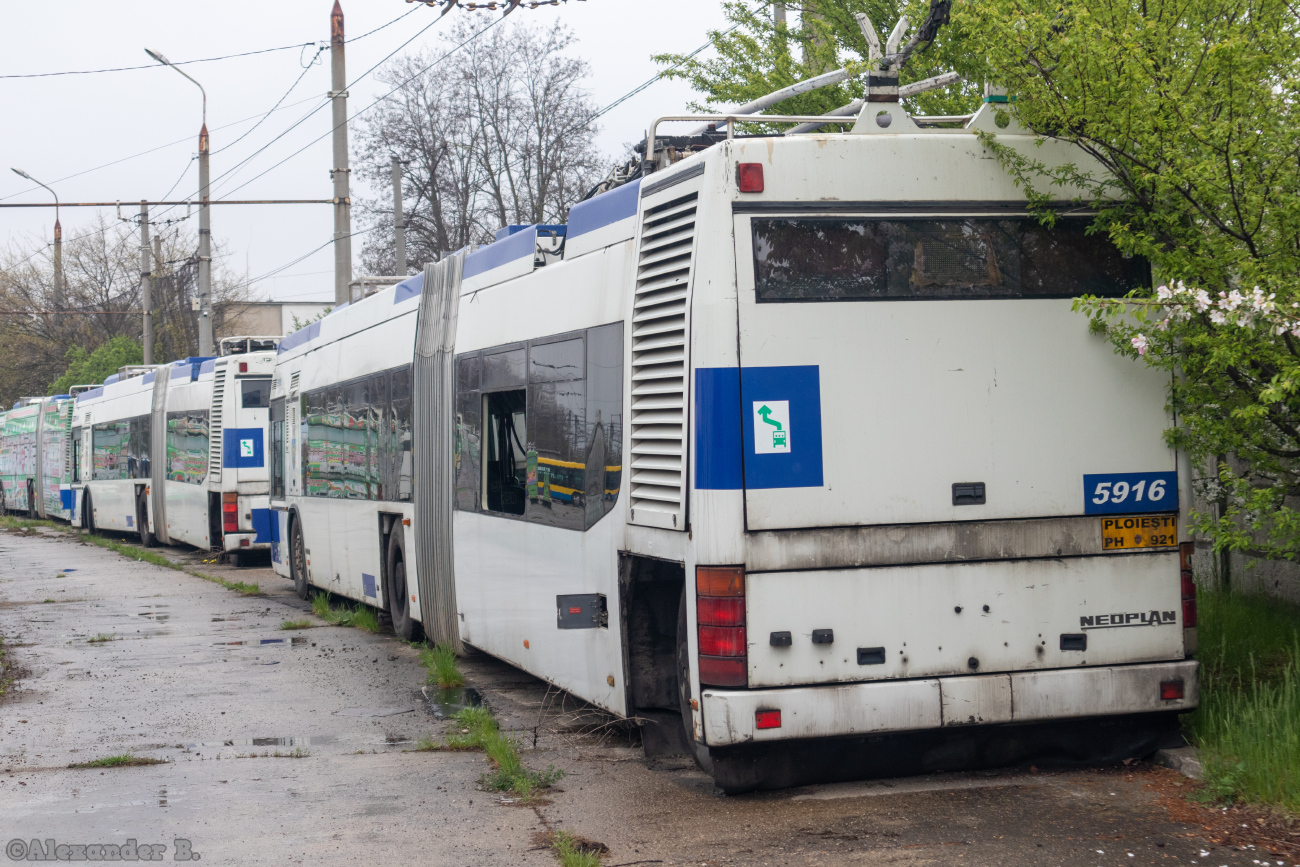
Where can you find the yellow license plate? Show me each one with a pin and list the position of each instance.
(1139, 531)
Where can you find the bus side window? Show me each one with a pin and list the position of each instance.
(557, 434)
(76, 455)
(505, 459)
(277, 447)
(604, 458)
(400, 462)
(469, 408)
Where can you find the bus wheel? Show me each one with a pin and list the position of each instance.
(87, 512)
(399, 596)
(298, 560)
(31, 501)
(698, 750)
(147, 538)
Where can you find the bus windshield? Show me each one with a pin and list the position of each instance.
(901, 259)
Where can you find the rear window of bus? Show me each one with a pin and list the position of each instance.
(950, 258)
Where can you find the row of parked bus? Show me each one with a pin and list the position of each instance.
(780, 446)
(175, 453)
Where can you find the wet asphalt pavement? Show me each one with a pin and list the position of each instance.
(205, 679)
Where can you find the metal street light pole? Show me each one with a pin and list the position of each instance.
(399, 219)
(58, 241)
(205, 220)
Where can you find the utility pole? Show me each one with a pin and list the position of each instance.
(205, 250)
(778, 13)
(58, 263)
(146, 284)
(158, 276)
(399, 219)
(342, 204)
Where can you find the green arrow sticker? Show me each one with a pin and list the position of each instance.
(771, 427)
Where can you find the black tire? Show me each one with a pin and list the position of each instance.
(147, 538)
(698, 750)
(298, 560)
(87, 511)
(399, 596)
(31, 501)
(4, 504)
(233, 559)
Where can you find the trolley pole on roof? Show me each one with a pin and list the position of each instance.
(342, 204)
(146, 284)
(399, 219)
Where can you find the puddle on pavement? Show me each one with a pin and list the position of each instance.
(162, 797)
(227, 619)
(298, 741)
(261, 642)
(155, 615)
(446, 703)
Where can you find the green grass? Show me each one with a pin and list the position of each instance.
(6, 670)
(10, 522)
(298, 753)
(573, 852)
(296, 624)
(101, 638)
(360, 616)
(127, 550)
(444, 670)
(477, 728)
(1248, 725)
(125, 760)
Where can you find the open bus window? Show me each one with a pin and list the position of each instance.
(877, 259)
(505, 459)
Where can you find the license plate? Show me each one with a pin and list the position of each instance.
(1139, 531)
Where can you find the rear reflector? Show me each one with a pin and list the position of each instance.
(243, 367)
(721, 611)
(749, 176)
(722, 640)
(723, 671)
(1171, 690)
(767, 719)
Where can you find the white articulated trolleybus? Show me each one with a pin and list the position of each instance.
(793, 443)
(177, 453)
(36, 457)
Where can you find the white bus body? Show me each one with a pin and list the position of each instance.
(179, 453)
(848, 419)
(35, 457)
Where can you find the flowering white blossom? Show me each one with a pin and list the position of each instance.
(1218, 317)
(1164, 293)
(1203, 301)
(1140, 344)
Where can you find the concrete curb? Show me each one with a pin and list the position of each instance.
(1182, 759)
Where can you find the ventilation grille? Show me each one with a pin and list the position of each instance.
(67, 452)
(293, 384)
(215, 426)
(658, 478)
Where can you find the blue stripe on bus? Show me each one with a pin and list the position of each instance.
(801, 466)
(233, 446)
(605, 209)
(90, 395)
(409, 288)
(503, 252)
(262, 525)
(149, 377)
(718, 442)
(299, 337)
(68, 499)
(208, 366)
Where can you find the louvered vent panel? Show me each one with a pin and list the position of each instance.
(658, 460)
(293, 384)
(215, 426)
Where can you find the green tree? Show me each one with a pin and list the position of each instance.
(1184, 112)
(759, 56)
(85, 367)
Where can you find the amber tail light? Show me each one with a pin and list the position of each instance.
(230, 512)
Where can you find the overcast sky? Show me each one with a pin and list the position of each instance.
(57, 128)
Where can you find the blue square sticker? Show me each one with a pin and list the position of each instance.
(781, 412)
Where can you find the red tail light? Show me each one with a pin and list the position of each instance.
(767, 719)
(1189, 584)
(749, 176)
(720, 613)
(1171, 690)
(230, 512)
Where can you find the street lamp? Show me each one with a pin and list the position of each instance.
(58, 241)
(205, 222)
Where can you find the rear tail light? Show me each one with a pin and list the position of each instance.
(230, 512)
(720, 613)
(243, 367)
(1189, 584)
(749, 177)
(767, 719)
(1171, 690)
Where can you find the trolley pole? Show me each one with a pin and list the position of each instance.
(399, 219)
(342, 203)
(205, 249)
(146, 284)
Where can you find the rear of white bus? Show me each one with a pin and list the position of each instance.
(238, 476)
(957, 508)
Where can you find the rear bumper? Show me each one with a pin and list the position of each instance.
(932, 703)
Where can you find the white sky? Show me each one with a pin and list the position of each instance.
(56, 127)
